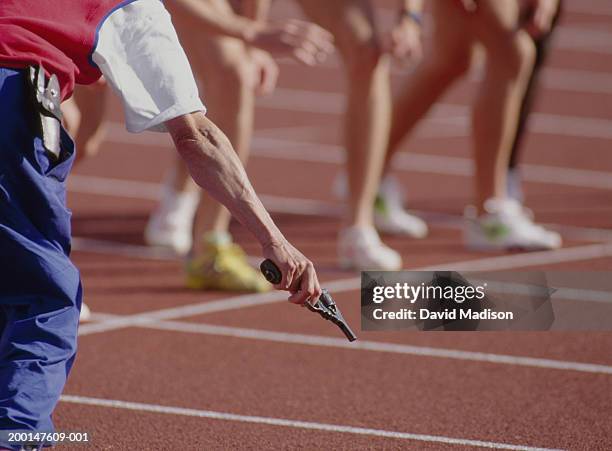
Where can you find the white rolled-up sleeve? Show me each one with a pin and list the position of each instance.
(139, 54)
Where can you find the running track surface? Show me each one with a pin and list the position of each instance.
(164, 368)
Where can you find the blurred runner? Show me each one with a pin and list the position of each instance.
(230, 51)
(366, 53)
(498, 221)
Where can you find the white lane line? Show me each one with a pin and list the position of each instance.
(122, 249)
(584, 40)
(234, 302)
(104, 186)
(431, 164)
(202, 308)
(577, 253)
(145, 252)
(367, 345)
(599, 9)
(573, 294)
(563, 125)
(292, 150)
(115, 248)
(577, 81)
(377, 346)
(569, 254)
(134, 189)
(332, 103)
(224, 416)
(309, 207)
(276, 204)
(545, 123)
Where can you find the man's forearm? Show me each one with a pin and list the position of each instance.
(214, 166)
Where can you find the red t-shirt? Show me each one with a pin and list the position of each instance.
(59, 34)
(132, 42)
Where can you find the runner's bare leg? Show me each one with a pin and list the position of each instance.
(368, 113)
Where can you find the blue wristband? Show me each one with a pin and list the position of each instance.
(415, 17)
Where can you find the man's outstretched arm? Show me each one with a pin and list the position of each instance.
(146, 66)
(214, 166)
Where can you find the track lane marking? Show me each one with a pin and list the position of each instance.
(431, 164)
(366, 345)
(377, 346)
(306, 101)
(292, 150)
(122, 249)
(130, 189)
(145, 252)
(224, 416)
(576, 253)
(202, 308)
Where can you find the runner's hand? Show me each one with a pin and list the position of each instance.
(299, 276)
(266, 72)
(404, 41)
(542, 16)
(304, 41)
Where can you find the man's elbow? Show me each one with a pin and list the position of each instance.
(195, 133)
(184, 129)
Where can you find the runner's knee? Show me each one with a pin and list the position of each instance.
(238, 74)
(526, 51)
(516, 57)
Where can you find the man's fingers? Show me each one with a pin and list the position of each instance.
(288, 276)
(298, 298)
(315, 288)
(298, 274)
(306, 287)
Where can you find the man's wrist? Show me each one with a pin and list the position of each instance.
(272, 240)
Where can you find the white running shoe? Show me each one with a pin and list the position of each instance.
(506, 225)
(85, 313)
(360, 248)
(389, 213)
(171, 224)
